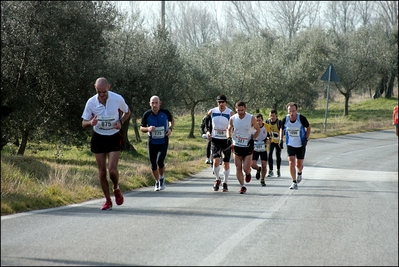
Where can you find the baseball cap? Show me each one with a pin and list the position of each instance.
(221, 98)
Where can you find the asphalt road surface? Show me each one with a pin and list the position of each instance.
(345, 212)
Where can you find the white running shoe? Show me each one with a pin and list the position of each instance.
(162, 183)
(156, 188)
(294, 186)
(298, 178)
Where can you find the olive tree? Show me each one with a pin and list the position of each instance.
(51, 53)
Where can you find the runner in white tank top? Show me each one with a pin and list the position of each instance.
(220, 116)
(296, 129)
(242, 130)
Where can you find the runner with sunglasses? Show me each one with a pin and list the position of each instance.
(220, 147)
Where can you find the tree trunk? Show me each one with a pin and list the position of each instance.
(381, 88)
(191, 134)
(24, 141)
(126, 146)
(136, 130)
(347, 96)
(389, 92)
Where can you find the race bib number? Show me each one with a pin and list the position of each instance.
(106, 122)
(293, 132)
(159, 132)
(259, 146)
(241, 141)
(220, 133)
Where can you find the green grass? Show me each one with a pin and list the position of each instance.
(52, 175)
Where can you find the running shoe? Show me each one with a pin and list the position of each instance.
(156, 188)
(278, 173)
(216, 185)
(243, 190)
(270, 173)
(248, 177)
(262, 182)
(162, 183)
(107, 205)
(225, 188)
(258, 173)
(118, 197)
(299, 178)
(294, 186)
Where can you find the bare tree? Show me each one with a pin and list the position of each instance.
(192, 24)
(388, 11)
(291, 16)
(341, 15)
(366, 12)
(149, 11)
(314, 8)
(248, 17)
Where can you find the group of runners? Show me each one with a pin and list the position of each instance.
(245, 135)
(250, 138)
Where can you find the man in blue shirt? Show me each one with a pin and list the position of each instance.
(158, 123)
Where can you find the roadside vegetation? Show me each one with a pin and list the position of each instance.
(52, 175)
(53, 52)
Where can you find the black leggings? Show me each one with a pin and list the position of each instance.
(278, 155)
(157, 155)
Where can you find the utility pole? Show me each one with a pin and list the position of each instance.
(163, 15)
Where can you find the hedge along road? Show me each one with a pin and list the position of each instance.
(345, 212)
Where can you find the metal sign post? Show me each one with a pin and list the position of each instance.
(329, 75)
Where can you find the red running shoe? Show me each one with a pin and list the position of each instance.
(248, 177)
(243, 190)
(118, 197)
(107, 205)
(216, 185)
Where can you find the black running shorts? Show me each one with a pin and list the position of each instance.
(243, 151)
(298, 152)
(106, 143)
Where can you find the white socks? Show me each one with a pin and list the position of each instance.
(216, 170)
(226, 175)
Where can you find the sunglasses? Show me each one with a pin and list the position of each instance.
(221, 102)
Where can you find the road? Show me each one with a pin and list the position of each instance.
(345, 212)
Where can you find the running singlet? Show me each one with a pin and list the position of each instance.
(274, 130)
(259, 142)
(294, 131)
(161, 123)
(220, 122)
(242, 130)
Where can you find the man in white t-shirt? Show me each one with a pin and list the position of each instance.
(105, 112)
